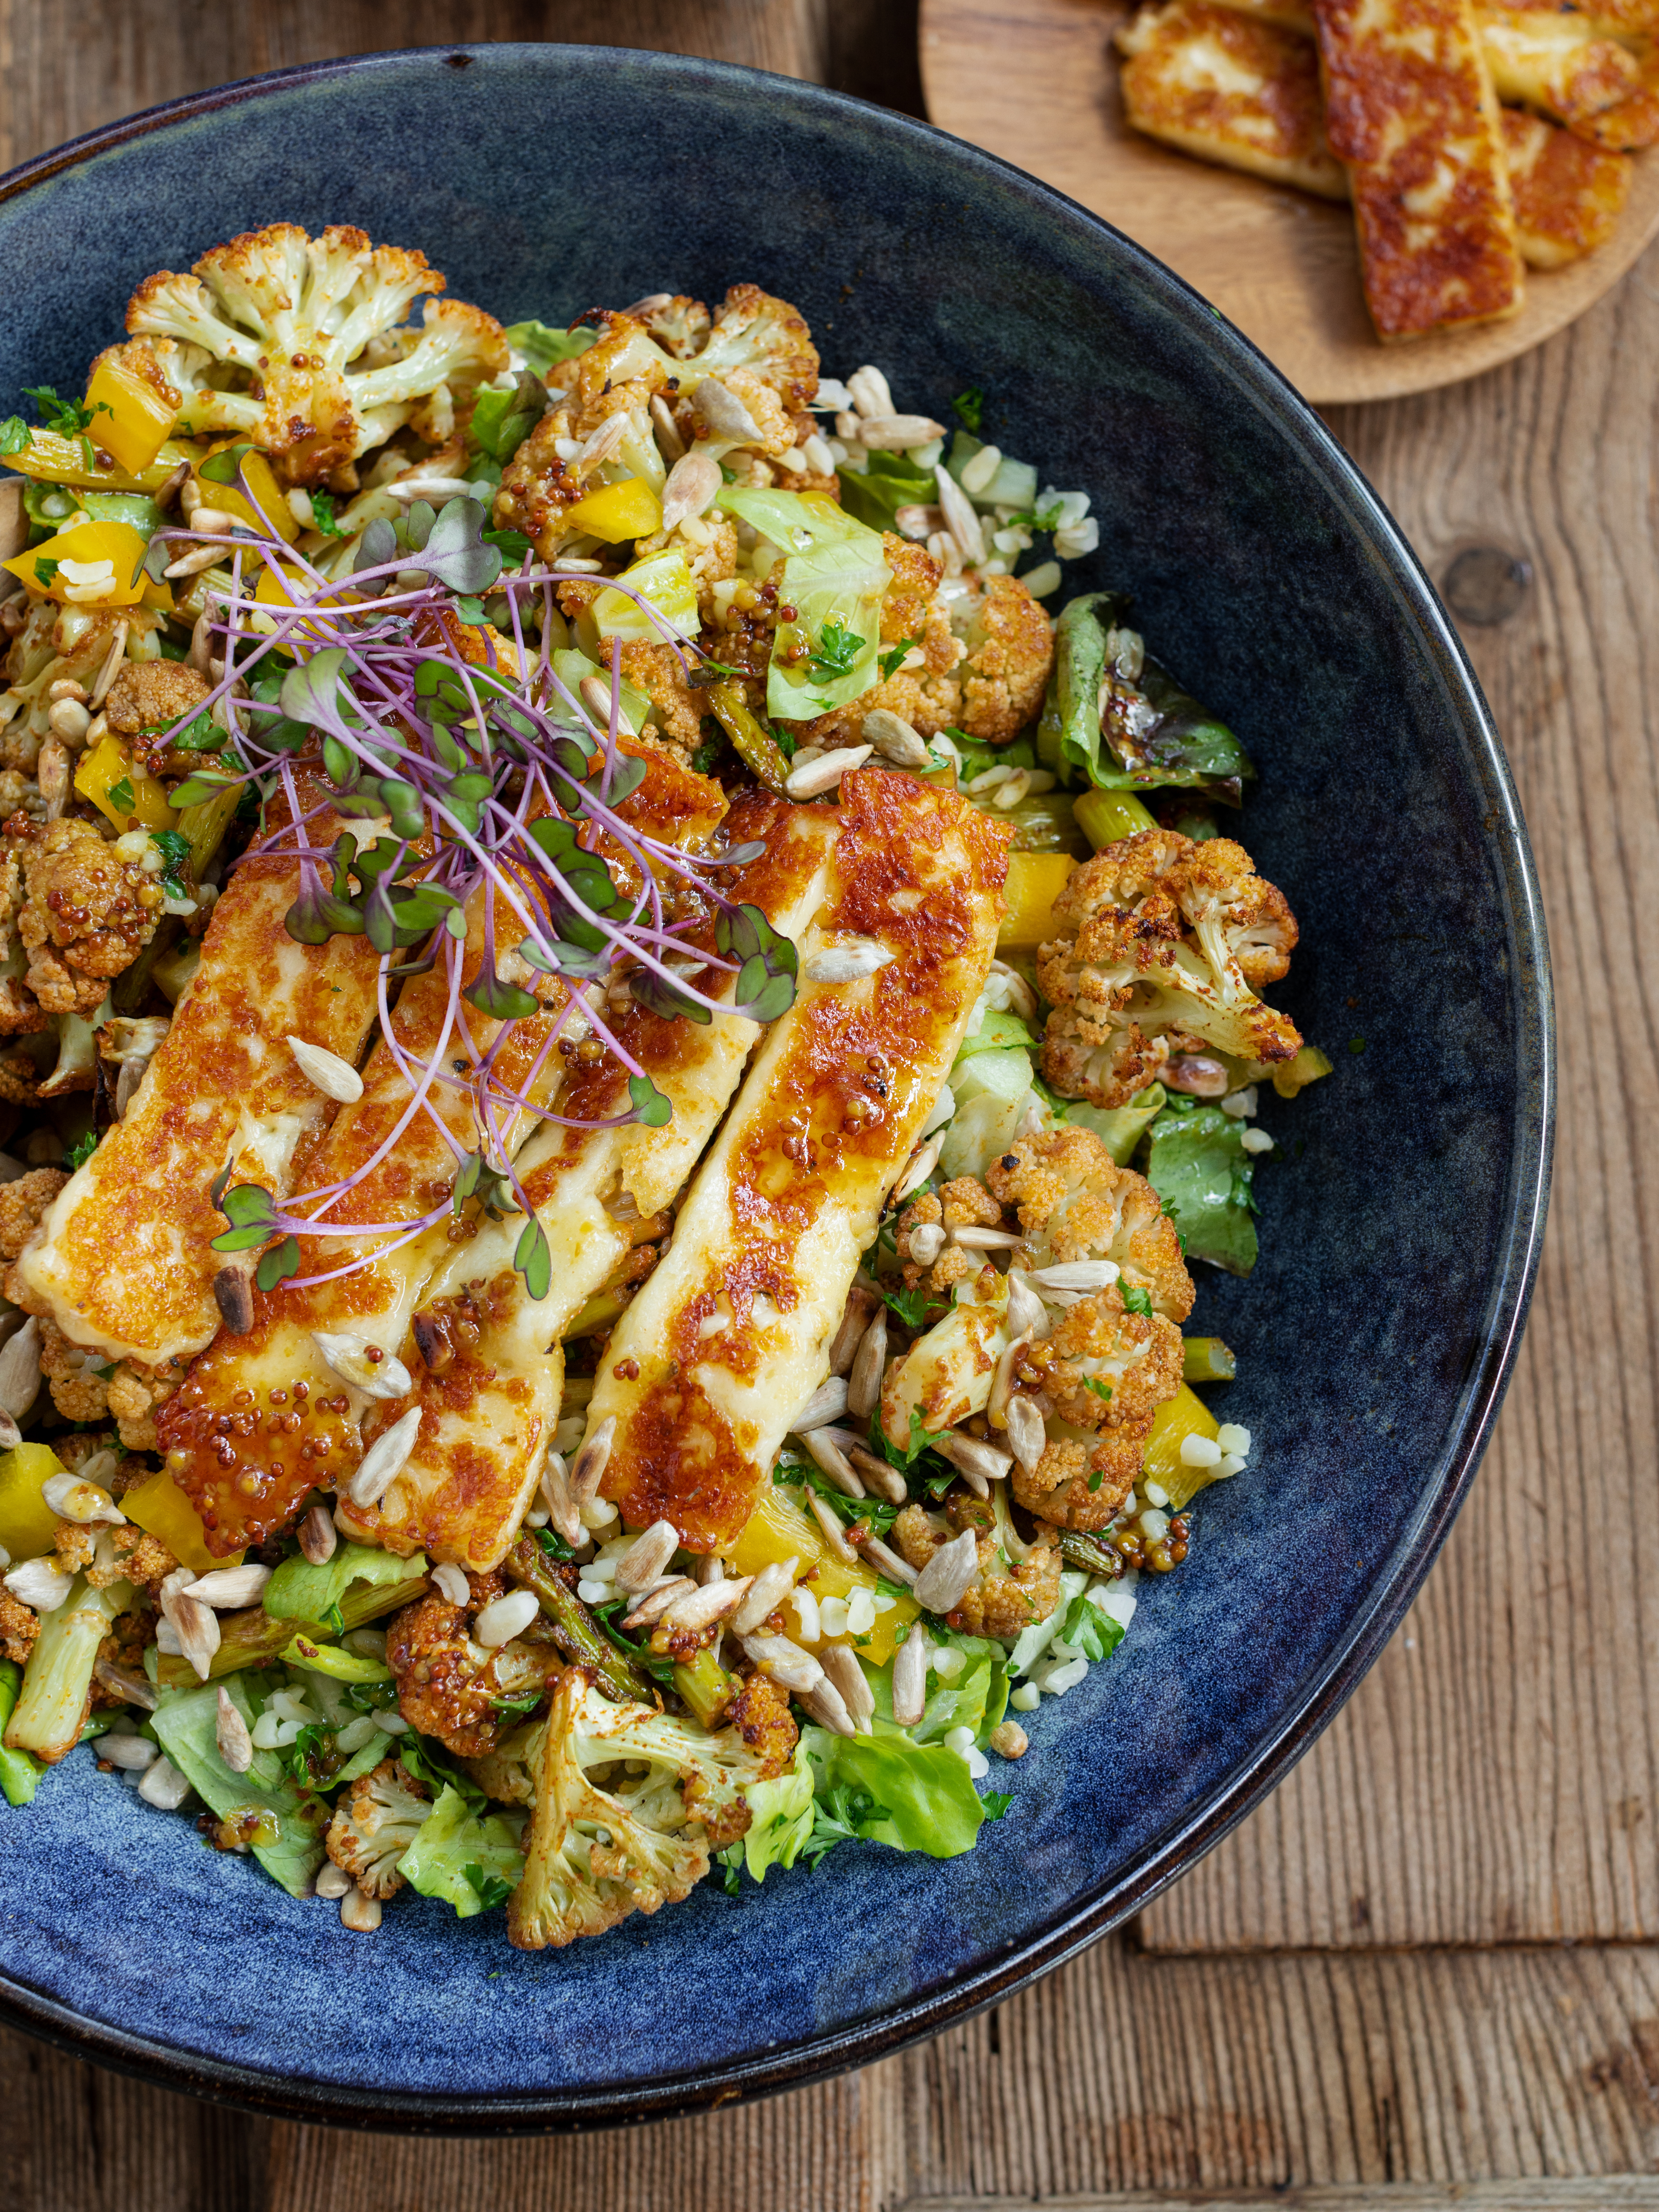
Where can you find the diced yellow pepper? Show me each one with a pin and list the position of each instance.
(100, 777)
(278, 516)
(53, 459)
(90, 543)
(159, 1507)
(1184, 1415)
(138, 422)
(1035, 882)
(779, 1529)
(27, 1522)
(285, 588)
(1103, 817)
(617, 512)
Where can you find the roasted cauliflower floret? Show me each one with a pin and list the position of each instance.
(134, 1556)
(1163, 937)
(559, 463)
(446, 1684)
(1005, 1597)
(294, 343)
(677, 714)
(606, 1839)
(78, 1391)
(756, 335)
(82, 916)
(1074, 1202)
(759, 1713)
(24, 1204)
(149, 695)
(1105, 1372)
(374, 1824)
(923, 689)
(1010, 655)
(19, 1627)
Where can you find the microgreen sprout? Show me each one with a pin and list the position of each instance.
(490, 840)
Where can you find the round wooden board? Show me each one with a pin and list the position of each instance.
(1034, 80)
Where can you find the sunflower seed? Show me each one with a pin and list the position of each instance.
(824, 772)
(765, 1593)
(384, 1461)
(704, 1607)
(977, 473)
(724, 412)
(917, 1168)
(601, 445)
(855, 1320)
(960, 518)
(896, 433)
(782, 1658)
(233, 1293)
(226, 1589)
(359, 1911)
(333, 1881)
(230, 1732)
(20, 1368)
(127, 1683)
(1021, 999)
(945, 1579)
(827, 1403)
(366, 1366)
(692, 484)
(910, 1676)
(1028, 1433)
(848, 963)
(894, 738)
(131, 1753)
(39, 1585)
(843, 1668)
(669, 440)
(450, 1581)
(864, 1382)
(647, 1557)
(327, 1072)
(562, 1508)
(867, 389)
(1002, 1382)
(10, 1437)
(435, 488)
(590, 1463)
(711, 1569)
(163, 1785)
(973, 1238)
(105, 676)
(193, 562)
(653, 304)
(927, 1242)
(504, 1618)
(824, 1446)
(828, 1707)
(196, 1627)
(74, 1499)
(918, 523)
(657, 1599)
(829, 1521)
(887, 1560)
(972, 1456)
(1076, 1275)
(319, 1537)
(876, 1474)
(1026, 1313)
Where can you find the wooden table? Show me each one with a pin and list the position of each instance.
(1427, 1972)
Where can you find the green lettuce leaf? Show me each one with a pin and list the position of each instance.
(997, 1032)
(1121, 1128)
(780, 1818)
(287, 1844)
(1200, 1168)
(471, 1861)
(924, 1797)
(544, 349)
(834, 574)
(875, 495)
(300, 1591)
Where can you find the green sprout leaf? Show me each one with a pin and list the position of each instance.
(224, 468)
(649, 1104)
(533, 1259)
(283, 1260)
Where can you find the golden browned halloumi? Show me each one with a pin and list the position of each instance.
(1568, 196)
(1410, 111)
(1231, 89)
(262, 1418)
(489, 1411)
(123, 1263)
(1557, 63)
(728, 1337)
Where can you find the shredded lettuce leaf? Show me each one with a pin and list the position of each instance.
(780, 1818)
(186, 1723)
(1200, 1168)
(471, 1861)
(300, 1591)
(544, 349)
(834, 575)
(921, 1797)
(664, 582)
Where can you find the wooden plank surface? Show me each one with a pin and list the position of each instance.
(1493, 1780)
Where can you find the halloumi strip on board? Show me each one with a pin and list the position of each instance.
(487, 1416)
(262, 1418)
(726, 1340)
(123, 1263)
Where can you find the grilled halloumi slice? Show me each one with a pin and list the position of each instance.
(726, 1340)
(489, 1411)
(1558, 62)
(263, 1419)
(1411, 112)
(123, 1263)
(1232, 89)
(1568, 196)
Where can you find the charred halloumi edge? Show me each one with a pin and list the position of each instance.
(517, 1364)
(150, 1297)
(823, 1260)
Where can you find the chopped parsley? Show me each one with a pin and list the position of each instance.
(174, 848)
(491, 1889)
(836, 655)
(80, 1151)
(890, 660)
(46, 570)
(120, 796)
(968, 407)
(1136, 1301)
(322, 514)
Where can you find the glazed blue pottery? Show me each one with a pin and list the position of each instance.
(1399, 1219)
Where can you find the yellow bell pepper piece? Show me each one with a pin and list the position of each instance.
(617, 512)
(1035, 882)
(138, 420)
(1184, 1415)
(125, 793)
(158, 1506)
(53, 459)
(87, 543)
(779, 1529)
(278, 516)
(27, 1522)
(1103, 817)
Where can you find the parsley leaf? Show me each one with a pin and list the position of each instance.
(491, 1889)
(44, 571)
(322, 514)
(836, 1819)
(1102, 1390)
(120, 796)
(68, 418)
(910, 1306)
(969, 407)
(80, 1151)
(1089, 1630)
(837, 654)
(995, 1802)
(890, 660)
(174, 848)
(1136, 1300)
(13, 435)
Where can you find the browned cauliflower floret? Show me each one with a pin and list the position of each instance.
(446, 1684)
(966, 1203)
(953, 1265)
(73, 1543)
(24, 1204)
(1005, 1597)
(18, 1626)
(759, 1711)
(1074, 1202)
(1011, 656)
(86, 916)
(927, 695)
(619, 375)
(149, 695)
(295, 343)
(1162, 938)
(1105, 1372)
(676, 712)
(753, 334)
(139, 1558)
(134, 1394)
(78, 1391)
(374, 1824)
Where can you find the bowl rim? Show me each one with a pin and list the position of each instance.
(1323, 1694)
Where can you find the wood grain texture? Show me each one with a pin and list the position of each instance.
(1280, 264)
(1493, 1779)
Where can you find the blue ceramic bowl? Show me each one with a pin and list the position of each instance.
(1399, 1225)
